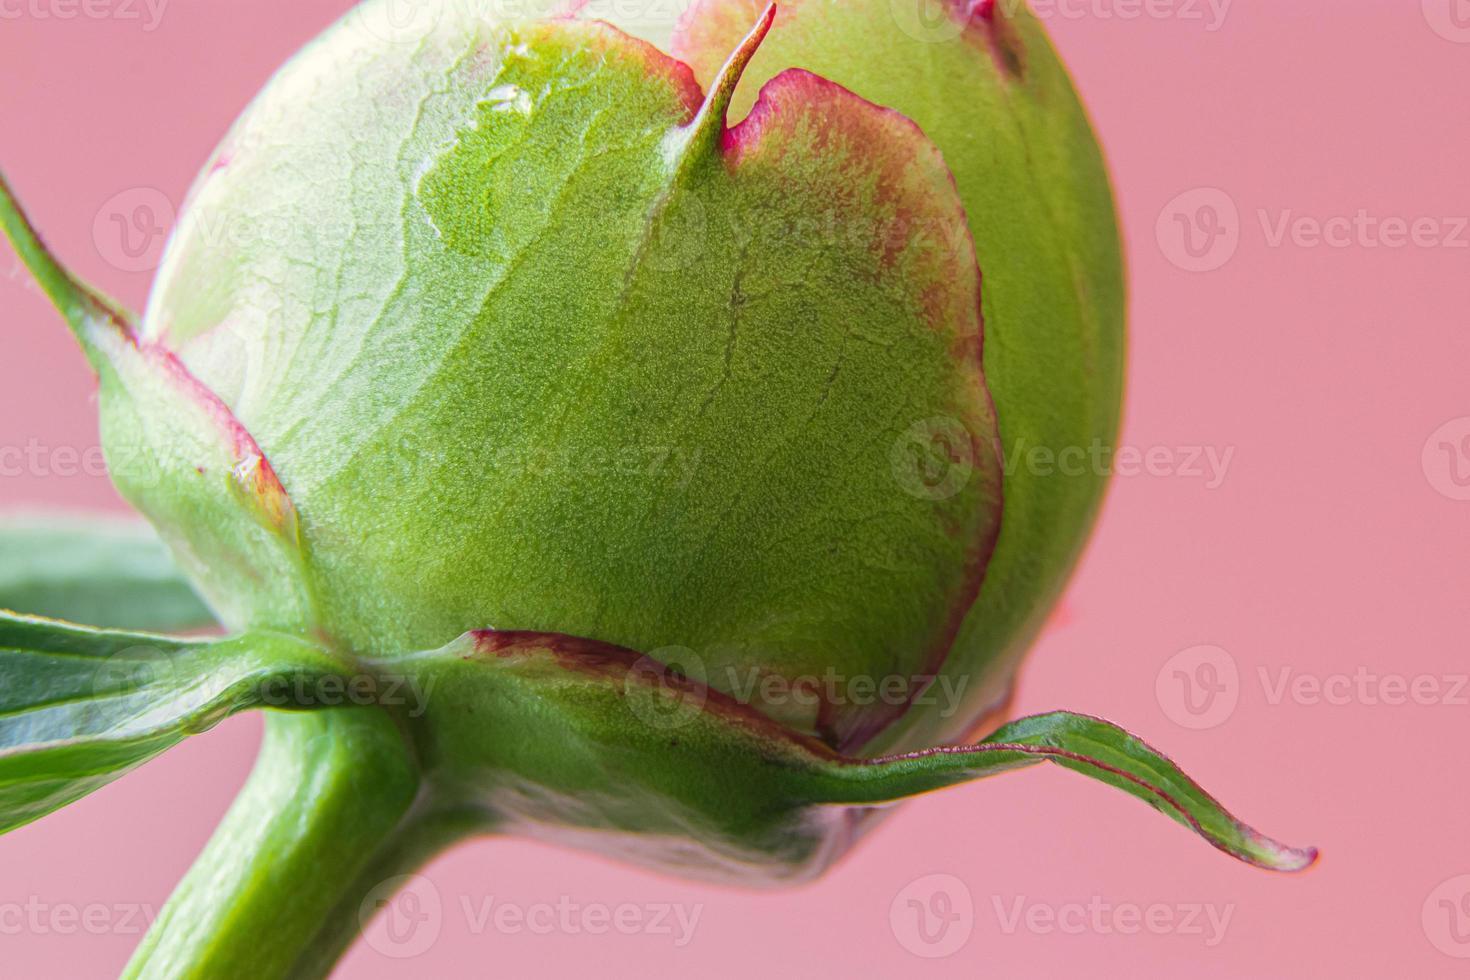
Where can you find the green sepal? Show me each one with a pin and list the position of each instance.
(80, 707)
(98, 324)
(639, 759)
(177, 453)
(983, 82)
(1083, 744)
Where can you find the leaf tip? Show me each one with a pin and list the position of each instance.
(1272, 855)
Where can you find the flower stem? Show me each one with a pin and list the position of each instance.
(327, 814)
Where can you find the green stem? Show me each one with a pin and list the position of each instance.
(328, 813)
(421, 836)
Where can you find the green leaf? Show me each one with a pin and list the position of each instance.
(80, 707)
(640, 755)
(91, 569)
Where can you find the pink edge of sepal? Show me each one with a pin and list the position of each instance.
(679, 74)
(251, 471)
(798, 85)
(107, 335)
(622, 665)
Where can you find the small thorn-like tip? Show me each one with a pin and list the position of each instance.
(709, 122)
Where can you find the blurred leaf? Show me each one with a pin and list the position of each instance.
(95, 570)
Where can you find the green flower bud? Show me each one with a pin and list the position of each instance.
(653, 439)
(531, 338)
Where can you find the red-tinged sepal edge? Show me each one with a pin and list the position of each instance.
(873, 169)
(639, 761)
(176, 451)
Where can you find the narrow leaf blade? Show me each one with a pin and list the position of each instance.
(80, 707)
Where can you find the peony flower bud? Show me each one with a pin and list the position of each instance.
(643, 416)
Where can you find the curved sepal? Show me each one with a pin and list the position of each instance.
(93, 569)
(80, 707)
(983, 82)
(98, 324)
(176, 451)
(645, 762)
(1081, 743)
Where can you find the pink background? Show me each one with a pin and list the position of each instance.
(1335, 544)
